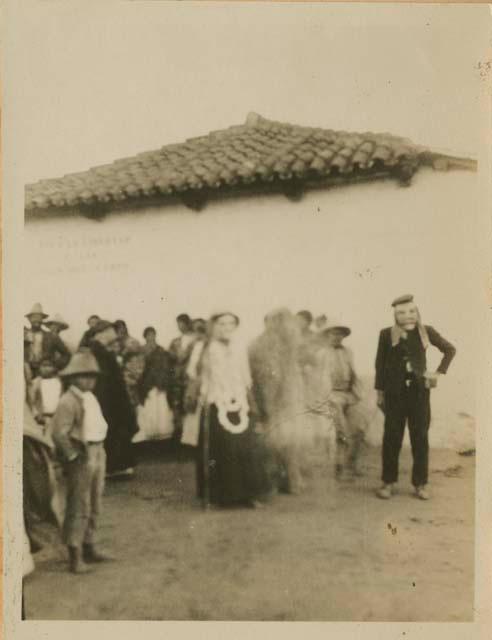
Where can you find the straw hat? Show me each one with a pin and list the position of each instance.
(37, 310)
(331, 325)
(81, 363)
(57, 319)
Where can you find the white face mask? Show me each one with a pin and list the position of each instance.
(407, 316)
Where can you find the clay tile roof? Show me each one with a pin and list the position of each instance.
(258, 151)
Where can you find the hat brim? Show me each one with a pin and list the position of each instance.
(33, 313)
(407, 299)
(345, 330)
(68, 374)
(63, 325)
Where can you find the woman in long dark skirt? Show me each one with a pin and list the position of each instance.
(235, 475)
(118, 411)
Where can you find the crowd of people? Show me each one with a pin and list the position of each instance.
(254, 414)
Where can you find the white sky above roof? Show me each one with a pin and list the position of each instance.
(89, 88)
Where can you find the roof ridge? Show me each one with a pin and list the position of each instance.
(259, 150)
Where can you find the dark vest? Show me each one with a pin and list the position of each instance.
(396, 371)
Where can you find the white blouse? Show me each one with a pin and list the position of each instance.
(225, 382)
(51, 390)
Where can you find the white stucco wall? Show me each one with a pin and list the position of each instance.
(346, 252)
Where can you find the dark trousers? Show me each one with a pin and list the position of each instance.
(412, 404)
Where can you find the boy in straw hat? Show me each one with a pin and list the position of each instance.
(403, 385)
(79, 431)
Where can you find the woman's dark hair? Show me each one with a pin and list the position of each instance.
(185, 319)
(199, 325)
(148, 330)
(120, 324)
(217, 316)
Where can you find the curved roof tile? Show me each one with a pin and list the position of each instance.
(260, 150)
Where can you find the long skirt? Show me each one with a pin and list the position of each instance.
(235, 472)
(27, 559)
(155, 418)
(119, 450)
(41, 497)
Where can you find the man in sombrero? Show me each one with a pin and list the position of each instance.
(56, 324)
(44, 344)
(346, 396)
(403, 384)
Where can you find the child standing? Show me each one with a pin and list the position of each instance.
(79, 430)
(46, 391)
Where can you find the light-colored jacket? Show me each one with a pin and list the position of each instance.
(338, 368)
(68, 425)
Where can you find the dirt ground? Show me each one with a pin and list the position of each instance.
(335, 553)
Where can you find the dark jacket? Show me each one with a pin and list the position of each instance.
(54, 348)
(112, 393)
(390, 361)
(156, 374)
(85, 341)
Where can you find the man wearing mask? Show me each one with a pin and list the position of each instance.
(403, 384)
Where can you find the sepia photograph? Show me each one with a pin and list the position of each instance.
(249, 277)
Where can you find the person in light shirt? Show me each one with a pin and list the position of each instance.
(46, 390)
(180, 351)
(79, 430)
(346, 394)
